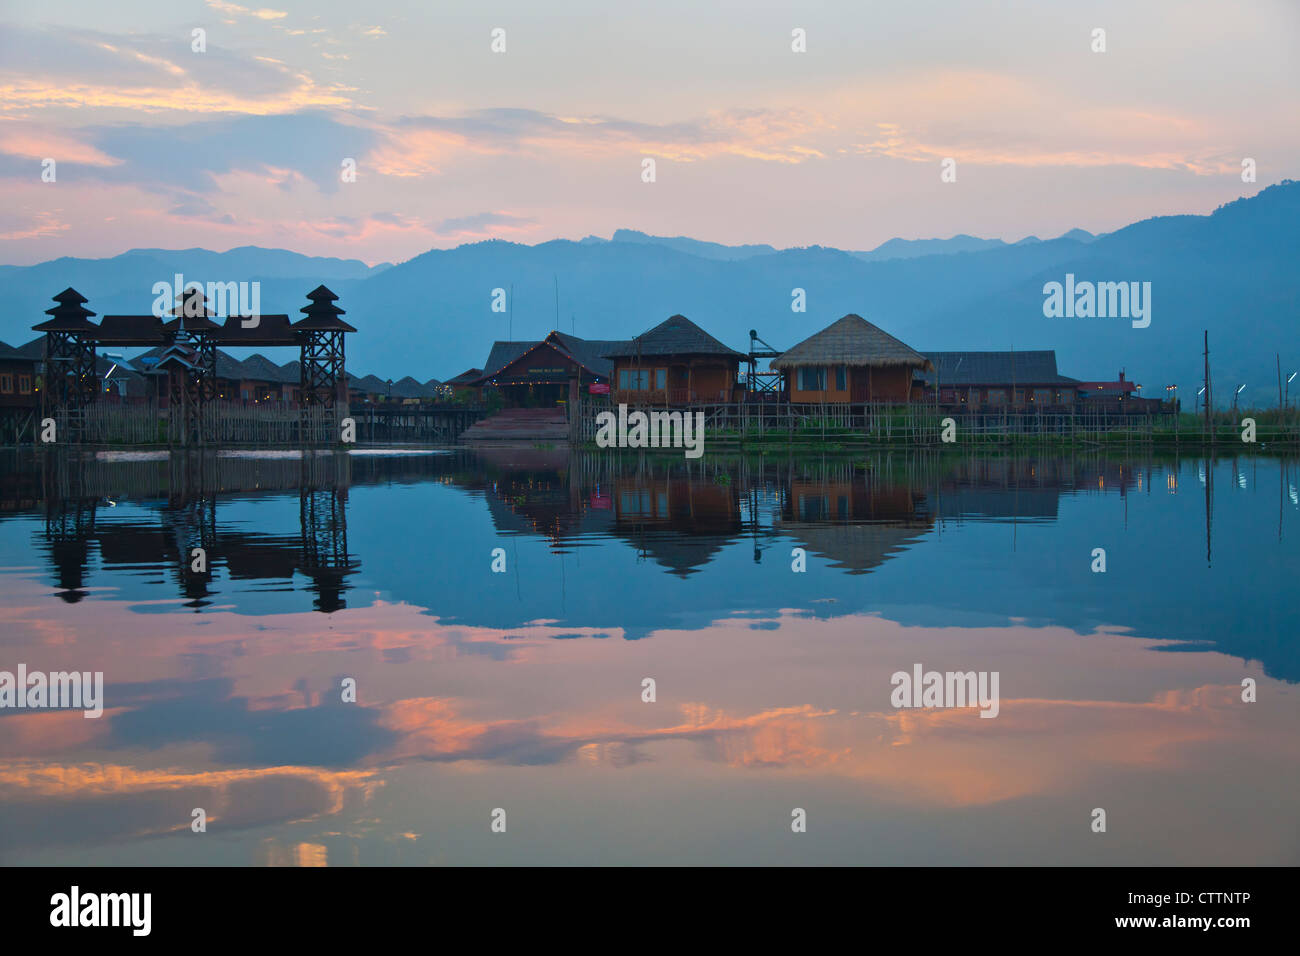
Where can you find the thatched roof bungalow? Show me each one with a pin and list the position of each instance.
(675, 363)
(851, 361)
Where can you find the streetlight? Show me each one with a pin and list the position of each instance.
(1234, 398)
(1287, 396)
(116, 357)
(1199, 392)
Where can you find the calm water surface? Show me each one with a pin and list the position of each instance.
(522, 690)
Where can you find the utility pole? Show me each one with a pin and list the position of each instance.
(1208, 426)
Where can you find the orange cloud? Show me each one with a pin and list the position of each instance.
(35, 142)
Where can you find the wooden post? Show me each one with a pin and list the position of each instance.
(575, 408)
(1209, 427)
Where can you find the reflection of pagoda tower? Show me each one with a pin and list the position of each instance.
(190, 525)
(190, 521)
(69, 526)
(70, 382)
(325, 556)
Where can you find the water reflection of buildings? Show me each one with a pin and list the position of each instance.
(676, 520)
(682, 515)
(79, 496)
(856, 519)
(854, 512)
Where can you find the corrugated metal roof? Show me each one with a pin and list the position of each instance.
(467, 376)
(592, 354)
(995, 368)
(502, 354)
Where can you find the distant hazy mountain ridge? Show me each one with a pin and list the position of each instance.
(1233, 272)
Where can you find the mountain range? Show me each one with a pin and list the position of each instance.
(1234, 272)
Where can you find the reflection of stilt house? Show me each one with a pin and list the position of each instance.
(681, 523)
(856, 524)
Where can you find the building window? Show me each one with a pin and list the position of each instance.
(7, 383)
(634, 502)
(24, 384)
(997, 396)
(1042, 396)
(634, 379)
(814, 507)
(812, 379)
(661, 379)
(841, 378)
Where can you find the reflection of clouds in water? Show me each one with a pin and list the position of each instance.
(66, 804)
(274, 853)
(952, 757)
(264, 705)
(433, 729)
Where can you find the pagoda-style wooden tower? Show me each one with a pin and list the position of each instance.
(190, 359)
(323, 382)
(70, 381)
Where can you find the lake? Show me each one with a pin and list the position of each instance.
(387, 658)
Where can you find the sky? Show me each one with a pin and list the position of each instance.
(245, 142)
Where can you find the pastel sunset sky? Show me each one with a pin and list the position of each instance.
(157, 145)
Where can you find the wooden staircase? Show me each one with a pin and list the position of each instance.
(521, 425)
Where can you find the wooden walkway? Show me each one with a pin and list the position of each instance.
(923, 423)
(242, 426)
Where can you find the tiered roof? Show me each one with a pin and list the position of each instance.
(70, 315)
(321, 314)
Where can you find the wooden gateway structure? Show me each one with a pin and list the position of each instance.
(851, 362)
(675, 363)
(187, 357)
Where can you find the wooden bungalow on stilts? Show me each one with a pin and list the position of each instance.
(675, 363)
(851, 362)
